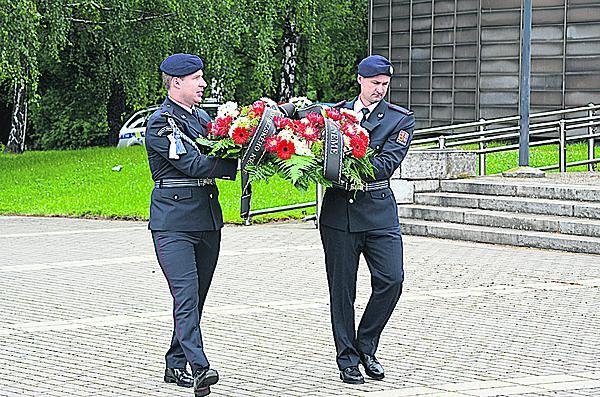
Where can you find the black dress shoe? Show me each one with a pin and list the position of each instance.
(203, 379)
(180, 376)
(352, 375)
(372, 367)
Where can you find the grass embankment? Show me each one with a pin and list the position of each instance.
(81, 183)
(539, 156)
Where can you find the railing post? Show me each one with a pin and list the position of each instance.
(562, 146)
(591, 141)
(441, 142)
(482, 145)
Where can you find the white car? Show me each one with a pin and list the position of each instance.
(133, 131)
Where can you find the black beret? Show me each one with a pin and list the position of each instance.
(375, 65)
(179, 65)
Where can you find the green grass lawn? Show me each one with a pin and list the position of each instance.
(539, 156)
(82, 183)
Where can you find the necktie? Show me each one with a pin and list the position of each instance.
(365, 113)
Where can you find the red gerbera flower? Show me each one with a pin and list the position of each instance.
(364, 137)
(350, 118)
(285, 149)
(349, 129)
(240, 135)
(358, 145)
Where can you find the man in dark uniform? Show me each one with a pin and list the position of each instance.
(366, 221)
(185, 214)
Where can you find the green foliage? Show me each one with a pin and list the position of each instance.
(59, 123)
(356, 170)
(224, 148)
(96, 62)
(264, 171)
(301, 171)
(30, 31)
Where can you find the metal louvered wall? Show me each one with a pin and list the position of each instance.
(465, 55)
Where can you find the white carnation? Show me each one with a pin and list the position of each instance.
(269, 102)
(300, 102)
(228, 109)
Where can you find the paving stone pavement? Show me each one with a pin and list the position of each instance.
(85, 311)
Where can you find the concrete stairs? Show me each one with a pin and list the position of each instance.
(540, 213)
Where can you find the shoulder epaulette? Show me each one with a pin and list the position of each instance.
(400, 109)
(340, 104)
(166, 109)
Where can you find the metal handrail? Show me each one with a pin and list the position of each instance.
(484, 122)
(446, 138)
(501, 129)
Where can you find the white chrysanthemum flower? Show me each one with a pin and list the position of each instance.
(300, 102)
(348, 111)
(301, 147)
(269, 102)
(228, 109)
(287, 134)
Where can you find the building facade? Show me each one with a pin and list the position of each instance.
(459, 60)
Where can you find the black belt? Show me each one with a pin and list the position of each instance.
(183, 182)
(367, 186)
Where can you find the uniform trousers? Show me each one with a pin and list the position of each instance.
(382, 250)
(188, 261)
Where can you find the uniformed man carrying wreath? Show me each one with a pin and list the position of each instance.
(366, 221)
(185, 215)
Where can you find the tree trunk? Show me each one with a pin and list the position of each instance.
(114, 112)
(18, 126)
(290, 50)
(301, 72)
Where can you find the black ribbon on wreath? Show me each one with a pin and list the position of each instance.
(334, 146)
(256, 151)
(333, 153)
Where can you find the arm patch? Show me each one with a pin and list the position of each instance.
(402, 138)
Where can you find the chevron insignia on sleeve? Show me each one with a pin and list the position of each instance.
(164, 131)
(402, 138)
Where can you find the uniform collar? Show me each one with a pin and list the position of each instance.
(188, 109)
(358, 105)
(180, 113)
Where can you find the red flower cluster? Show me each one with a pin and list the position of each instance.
(297, 136)
(256, 109)
(220, 127)
(239, 125)
(292, 136)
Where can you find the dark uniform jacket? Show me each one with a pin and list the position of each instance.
(390, 129)
(183, 208)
